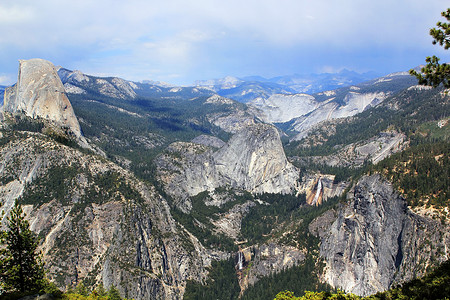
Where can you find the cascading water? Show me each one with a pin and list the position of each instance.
(240, 262)
(318, 191)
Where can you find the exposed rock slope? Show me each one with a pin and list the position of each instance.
(319, 187)
(253, 160)
(374, 149)
(98, 223)
(76, 82)
(39, 92)
(376, 241)
(300, 112)
(281, 108)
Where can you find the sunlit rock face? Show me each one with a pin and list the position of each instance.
(377, 241)
(126, 240)
(253, 159)
(39, 93)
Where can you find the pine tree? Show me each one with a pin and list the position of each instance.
(113, 293)
(100, 289)
(21, 267)
(434, 73)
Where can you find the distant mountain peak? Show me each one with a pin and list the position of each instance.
(222, 83)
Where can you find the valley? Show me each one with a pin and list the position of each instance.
(229, 187)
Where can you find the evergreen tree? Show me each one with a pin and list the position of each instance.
(113, 293)
(21, 267)
(81, 289)
(100, 289)
(434, 73)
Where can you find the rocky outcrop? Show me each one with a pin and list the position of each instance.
(208, 140)
(98, 223)
(262, 260)
(281, 108)
(319, 187)
(377, 241)
(229, 223)
(39, 93)
(232, 122)
(354, 155)
(78, 83)
(301, 112)
(352, 104)
(253, 159)
(2, 93)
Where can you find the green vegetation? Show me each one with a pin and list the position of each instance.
(415, 108)
(21, 266)
(262, 219)
(434, 73)
(308, 295)
(297, 279)
(99, 293)
(20, 122)
(198, 220)
(59, 183)
(54, 184)
(435, 285)
(299, 235)
(434, 132)
(421, 173)
(286, 214)
(221, 284)
(203, 231)
(140, 129)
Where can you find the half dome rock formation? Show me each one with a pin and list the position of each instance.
(39, 93)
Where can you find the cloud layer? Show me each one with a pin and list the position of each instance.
(180, 41)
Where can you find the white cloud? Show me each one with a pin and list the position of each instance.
(5, 79)
(10, 15)
(177, 36)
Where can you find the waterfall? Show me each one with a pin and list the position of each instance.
(319, 189)
(240, 260)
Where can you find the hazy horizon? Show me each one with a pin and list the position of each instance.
(180, 42)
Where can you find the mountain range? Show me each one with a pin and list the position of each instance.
(247, 88)
(155, 189)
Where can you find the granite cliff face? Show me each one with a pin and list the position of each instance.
(280, 108)
(252, 160)
(354, 155)
(98, 223)
(319, 187)
(377, 241)
(262, 260)
(39, 93)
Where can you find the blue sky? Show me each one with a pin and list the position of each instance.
(180, 41)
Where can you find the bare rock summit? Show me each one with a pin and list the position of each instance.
(39, 93)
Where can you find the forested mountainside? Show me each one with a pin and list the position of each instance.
(177, 192)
